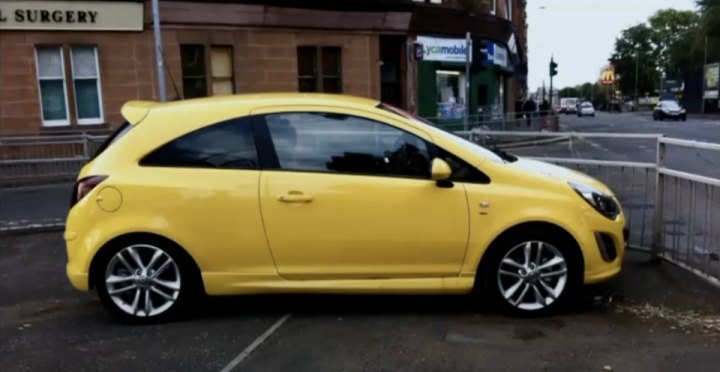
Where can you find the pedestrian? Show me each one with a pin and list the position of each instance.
(529, 108)
(544, 107)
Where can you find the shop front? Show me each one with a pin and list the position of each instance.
(442, 77)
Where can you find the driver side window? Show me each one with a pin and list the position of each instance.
(338, 143)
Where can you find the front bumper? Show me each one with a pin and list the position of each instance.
(605, 250)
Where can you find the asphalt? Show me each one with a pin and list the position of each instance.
(45, 325)
(703, 162)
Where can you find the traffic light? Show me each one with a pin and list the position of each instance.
(553, 68)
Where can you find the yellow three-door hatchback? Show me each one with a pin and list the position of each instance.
(281, 193)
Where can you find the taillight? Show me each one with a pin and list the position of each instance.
(84, 186)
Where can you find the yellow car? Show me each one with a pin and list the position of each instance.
(287, 193)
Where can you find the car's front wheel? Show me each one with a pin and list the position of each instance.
(533, 273)
(145, 282)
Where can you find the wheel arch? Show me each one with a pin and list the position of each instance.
(144, 237)
(544, 226)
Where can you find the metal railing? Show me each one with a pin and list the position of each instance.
(526, 121)
(670, 213)
(28, 160)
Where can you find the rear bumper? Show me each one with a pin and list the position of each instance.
(79, 280)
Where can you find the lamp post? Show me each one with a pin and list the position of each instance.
(158, 50)
(702, 96)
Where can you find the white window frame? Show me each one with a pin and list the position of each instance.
(493, 11)
(88, 121)
(509, 9)
(59, 122)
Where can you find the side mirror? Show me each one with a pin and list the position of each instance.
(440, 170)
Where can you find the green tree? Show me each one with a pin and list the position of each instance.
(709, 26)
(569, 92)
(673, 35)
(665, 44)
(635, 46)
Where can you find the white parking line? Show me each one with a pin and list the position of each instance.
(254, 345)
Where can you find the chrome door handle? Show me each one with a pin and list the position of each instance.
(295, 197)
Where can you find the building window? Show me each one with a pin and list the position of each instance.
(51, 81)
(508, 9)
(193, 71)
(319, 69)
(221, 63)
(86, 82)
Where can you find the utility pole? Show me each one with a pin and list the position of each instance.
(468, 49)
(637, 69)
(158, 50)
(702, 96)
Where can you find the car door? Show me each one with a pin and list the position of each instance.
(351, 197)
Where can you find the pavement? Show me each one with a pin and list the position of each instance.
(660, 319)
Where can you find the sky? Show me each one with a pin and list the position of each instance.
(580, 34)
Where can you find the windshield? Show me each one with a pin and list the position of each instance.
(587, 104)
(471, 146)
(671, 105)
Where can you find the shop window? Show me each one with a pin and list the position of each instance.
(193, 71)
(450, 94)
(53, 90)
(221, 62)
(319, 69)
(86, 82)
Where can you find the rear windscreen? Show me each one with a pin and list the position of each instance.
(121, 131)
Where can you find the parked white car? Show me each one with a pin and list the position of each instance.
(586, 109)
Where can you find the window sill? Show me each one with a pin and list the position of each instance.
(55, 123)
(88, 122)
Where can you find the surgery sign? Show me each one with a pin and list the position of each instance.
(441, 49)
(71, 15)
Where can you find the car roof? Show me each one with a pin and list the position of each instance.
(135, 111)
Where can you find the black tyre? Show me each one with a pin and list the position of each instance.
(146, 281)
(533, 272)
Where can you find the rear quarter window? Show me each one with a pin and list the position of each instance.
(114, 137)
(226, 145)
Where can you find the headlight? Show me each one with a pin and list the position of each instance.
(602, 202)
(682, 111)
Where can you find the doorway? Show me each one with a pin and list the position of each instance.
(392, 69)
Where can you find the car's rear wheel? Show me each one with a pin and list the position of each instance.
(533, 273)
(145, 282)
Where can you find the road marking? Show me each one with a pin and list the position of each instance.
(254, 345)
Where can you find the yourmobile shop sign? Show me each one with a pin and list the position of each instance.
(441, 49)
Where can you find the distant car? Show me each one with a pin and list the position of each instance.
(586, 109)
(669, 110)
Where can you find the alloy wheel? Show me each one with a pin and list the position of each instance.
(143, 280)
(532, 275)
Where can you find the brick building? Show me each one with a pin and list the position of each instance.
(69, 66)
